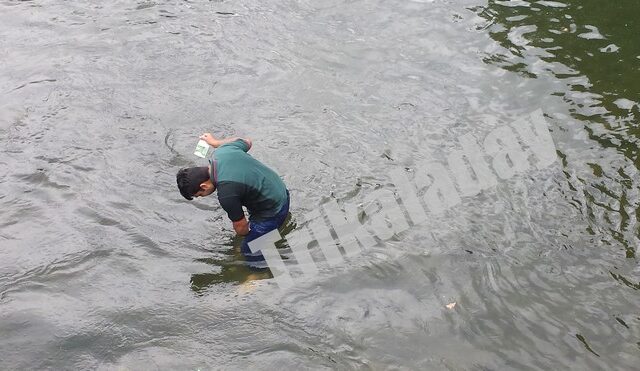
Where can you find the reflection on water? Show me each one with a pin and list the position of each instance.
(588, 46)
(232, 267)
(589, 51)
(232, 270)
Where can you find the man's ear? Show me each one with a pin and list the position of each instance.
(207, 185)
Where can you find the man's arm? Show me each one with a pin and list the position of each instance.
(215, 143)
(241, 227)
(230, 200)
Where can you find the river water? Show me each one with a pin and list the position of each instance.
(103, 265)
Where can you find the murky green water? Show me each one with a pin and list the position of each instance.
(104, 266)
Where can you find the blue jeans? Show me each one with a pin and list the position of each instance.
(262, 227)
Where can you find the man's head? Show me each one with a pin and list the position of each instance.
(194, 182)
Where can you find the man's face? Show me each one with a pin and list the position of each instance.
(206, 188)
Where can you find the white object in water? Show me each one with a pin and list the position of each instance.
(202, 149)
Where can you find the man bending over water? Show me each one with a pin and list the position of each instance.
(240, 180)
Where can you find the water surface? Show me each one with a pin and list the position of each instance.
(103, 265)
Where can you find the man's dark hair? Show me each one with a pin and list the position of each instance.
(189, 180)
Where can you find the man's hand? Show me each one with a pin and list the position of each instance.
(215, 143)
(241, 227)
(210, 139)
